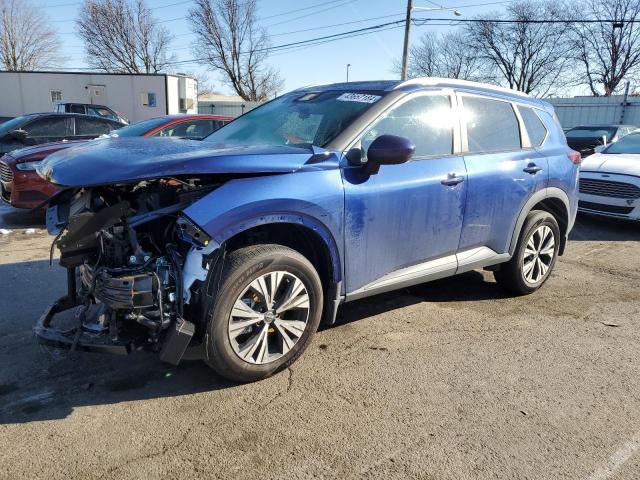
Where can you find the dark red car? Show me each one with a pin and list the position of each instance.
(21, 187)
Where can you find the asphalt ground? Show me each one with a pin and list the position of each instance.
(449, 380)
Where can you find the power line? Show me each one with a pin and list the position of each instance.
(301, 9)
(313, 13)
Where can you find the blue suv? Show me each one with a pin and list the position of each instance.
(234, 249)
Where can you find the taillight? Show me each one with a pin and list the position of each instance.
(575, 157)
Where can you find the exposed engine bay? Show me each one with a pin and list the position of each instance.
(134, 263)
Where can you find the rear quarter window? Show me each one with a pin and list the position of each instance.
(535, 128)
(492, 125)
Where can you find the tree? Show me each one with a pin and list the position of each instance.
(233, 43)
(444, 56)
(608, 51)
(27, 42)
(533, 57)
(122, 36)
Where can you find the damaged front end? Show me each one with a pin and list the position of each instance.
(134, 264)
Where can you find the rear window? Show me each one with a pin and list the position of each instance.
(591, 132)
(492, 125)
(535, 128)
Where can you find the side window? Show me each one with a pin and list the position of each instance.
(217, 124)
(535, 128)
(426, 120)
(101, 112)
(196, 129)
(74, 108)
(492, 125)
(49, 127)
(90, 126)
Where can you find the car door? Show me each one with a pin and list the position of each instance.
(49, 129)
(503, 171)
(403, 224)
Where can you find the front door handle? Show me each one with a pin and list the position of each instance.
(532, 168)
(452, 179)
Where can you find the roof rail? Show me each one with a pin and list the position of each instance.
(449, 82)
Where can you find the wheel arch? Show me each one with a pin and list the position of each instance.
(552, 200)
(304, 234)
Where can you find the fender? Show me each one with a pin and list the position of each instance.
(537, 197)
(312, 199)
(294, 219)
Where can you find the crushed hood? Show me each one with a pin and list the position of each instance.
(128, 160)
(625, 164)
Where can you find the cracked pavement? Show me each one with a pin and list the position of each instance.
(448, 380)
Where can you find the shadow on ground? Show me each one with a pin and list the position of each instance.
(590, 228)
(11, 218)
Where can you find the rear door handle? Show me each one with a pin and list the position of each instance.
(532, 168)
(452, 179)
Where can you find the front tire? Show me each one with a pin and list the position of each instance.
(535, 255)
(264, 314)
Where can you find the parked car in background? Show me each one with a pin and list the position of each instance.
(37, 128)
(91, 109)
(240, 245)
(585, 139)
(193, 127)
(610, 180)
(21, 187)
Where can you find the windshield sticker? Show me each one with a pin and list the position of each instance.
(358, 97)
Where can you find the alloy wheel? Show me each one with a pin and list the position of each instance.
(269, 317)
(538, 254)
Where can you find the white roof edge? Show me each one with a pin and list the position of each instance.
(449, 82)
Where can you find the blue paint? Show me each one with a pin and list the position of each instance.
(372, 224)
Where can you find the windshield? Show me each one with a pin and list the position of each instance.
(140, 128)
(591, 132)
(300, 119)
(627, 144)
(13, 124)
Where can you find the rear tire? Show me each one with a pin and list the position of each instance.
(264, 314)
(534, 257)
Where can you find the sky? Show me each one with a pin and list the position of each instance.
(372, 56)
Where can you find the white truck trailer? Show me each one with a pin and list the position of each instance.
(135, 96)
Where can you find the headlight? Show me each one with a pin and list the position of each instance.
(27, 165)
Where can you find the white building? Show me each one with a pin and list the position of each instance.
(135, 96)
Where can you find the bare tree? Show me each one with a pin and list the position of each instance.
(533, 57)
(122, 36)
(27, 42)
(608, 51)
(446, 56)
(232, 42)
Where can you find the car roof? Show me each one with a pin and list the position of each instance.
(433, 82)
(31, 116)
(84, 104)
(603, 126)
(177, 116)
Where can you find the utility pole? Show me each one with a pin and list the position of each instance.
(348, 65)
(407, 32)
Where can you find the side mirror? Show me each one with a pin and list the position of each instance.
(388, 150)
(19, 135)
